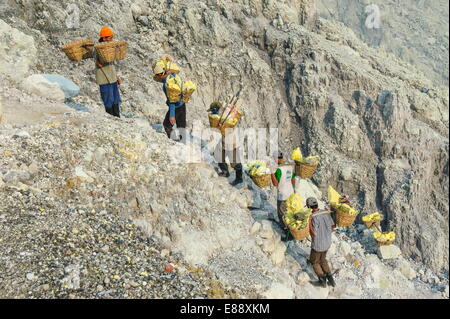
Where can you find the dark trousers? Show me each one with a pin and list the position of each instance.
(281, 210)
(234, 157)
(111, 98)
(221, 154)
(319, 263)
(180, 119)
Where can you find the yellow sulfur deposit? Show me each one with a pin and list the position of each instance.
(383, 237)
(291, 220)
(333, 196)
(174, 83)
(297, 155)
(189, 86)
(259, 171)
(256, 163)
(167, 65)
(258, 168)
(294, 203)
(347, 209)
(232, 121)
(372, 217)
(312, 160)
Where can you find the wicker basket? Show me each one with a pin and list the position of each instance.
(79, 50)
(304, 170)
(344, 219)
(226, 126)
(213, 122)
(262, 181)
(111, 51)
(173, 95)
(371, 224)
(300, 234)
(187, 96)
(384, 243)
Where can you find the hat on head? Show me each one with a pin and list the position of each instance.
(278, 154)
(158, 70)
(311, 201)
(106, 32)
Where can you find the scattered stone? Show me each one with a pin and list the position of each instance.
(165, 252)
(30, 276)
(255, 228)
(82, 175)
(405, 268)
(317, 292)
(389, 252)
(344, 248)
(22, 134)
(303, 278)
(279, 291)
(99, 154)
(15, 176)
(266, 229)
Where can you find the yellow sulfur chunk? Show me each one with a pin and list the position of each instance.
(312, 160)
(372, 217)
(333, 196)
(292, 222)
(297, 155)
(258, 168)
(294, 203)
(383, 237)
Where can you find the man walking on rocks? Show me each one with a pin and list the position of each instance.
(229, 147)
(106, 77)
(284, 179)
(321, 226)
(177, 108)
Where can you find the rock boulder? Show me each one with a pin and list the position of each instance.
(39, 85)
(17, 52)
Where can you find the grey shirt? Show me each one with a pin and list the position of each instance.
(321, 223)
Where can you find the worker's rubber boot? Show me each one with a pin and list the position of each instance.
(109, 110)
(322, 283)
(239, 172)
(116, 110)
(168, 131)
(224, 170)
(330, 280)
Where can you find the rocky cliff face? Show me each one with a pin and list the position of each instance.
(415, 31)
(379, 125)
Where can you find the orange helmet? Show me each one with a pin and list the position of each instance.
(106, 32)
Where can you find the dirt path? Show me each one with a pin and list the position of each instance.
(22, 111)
